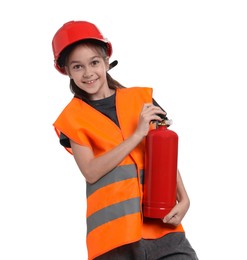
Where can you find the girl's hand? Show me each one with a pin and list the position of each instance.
(149, 113)
(175, 216)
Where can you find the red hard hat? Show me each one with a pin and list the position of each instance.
(72, 32)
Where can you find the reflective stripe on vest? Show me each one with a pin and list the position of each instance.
(118, 174)
(113, 212)
(110, 208)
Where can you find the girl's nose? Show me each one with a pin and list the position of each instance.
(87, 73)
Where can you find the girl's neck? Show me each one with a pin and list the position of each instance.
(107, 94)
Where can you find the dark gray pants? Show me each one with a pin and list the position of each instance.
(173, 246)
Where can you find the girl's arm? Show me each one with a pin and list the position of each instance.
(93, 168)
(176, 215)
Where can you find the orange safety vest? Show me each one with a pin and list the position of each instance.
(114, 203)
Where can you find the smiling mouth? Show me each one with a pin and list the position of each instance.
(90, 81)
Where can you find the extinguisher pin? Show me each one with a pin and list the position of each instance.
(166, 122)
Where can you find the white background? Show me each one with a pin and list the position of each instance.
(194, 55)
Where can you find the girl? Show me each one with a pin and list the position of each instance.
(104, 128)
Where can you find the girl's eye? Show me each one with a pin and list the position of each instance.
(77, 67)
(95, 62)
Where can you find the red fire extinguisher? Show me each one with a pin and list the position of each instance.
(160, 175)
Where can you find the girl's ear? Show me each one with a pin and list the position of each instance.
(67, 71)
(107, 63)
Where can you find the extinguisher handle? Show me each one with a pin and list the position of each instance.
(163, 117)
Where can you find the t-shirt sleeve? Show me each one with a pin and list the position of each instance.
(64, 140)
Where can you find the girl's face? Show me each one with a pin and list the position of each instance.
(87, 67)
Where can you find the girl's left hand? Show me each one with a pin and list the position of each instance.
(175, 216)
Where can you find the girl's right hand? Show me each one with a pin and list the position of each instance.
(149, 113)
